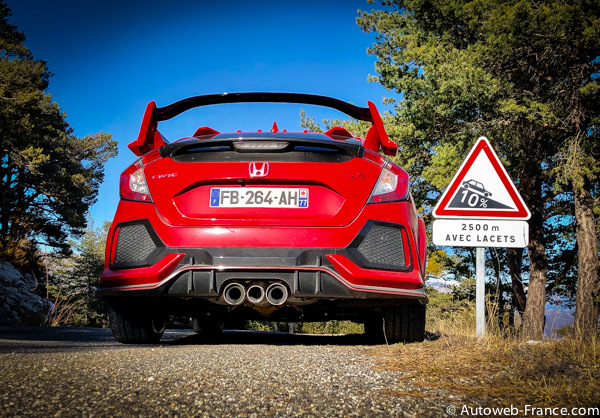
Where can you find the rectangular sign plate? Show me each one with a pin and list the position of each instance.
(480, 233)
(258, 197)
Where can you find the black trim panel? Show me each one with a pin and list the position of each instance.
(154, 257)
(357, 257)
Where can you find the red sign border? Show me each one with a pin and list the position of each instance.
(482, 145)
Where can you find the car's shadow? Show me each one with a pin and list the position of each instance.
(278, 338)
(58, 339)
(268, 338)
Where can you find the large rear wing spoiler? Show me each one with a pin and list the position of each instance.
(150, 138)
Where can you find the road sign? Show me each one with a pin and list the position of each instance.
(480, 233)
(481, 189)
(482, 192)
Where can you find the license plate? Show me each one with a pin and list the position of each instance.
(258, 197)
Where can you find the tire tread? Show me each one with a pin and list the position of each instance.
(404, 324)
(133, 327)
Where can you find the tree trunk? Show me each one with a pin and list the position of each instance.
(535, 313)
(588, 269)
(515, 261)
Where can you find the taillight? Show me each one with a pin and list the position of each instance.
(391, 186)
(133, 184)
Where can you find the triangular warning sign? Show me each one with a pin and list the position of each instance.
(481, 189)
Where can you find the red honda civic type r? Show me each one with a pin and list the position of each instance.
(278, 226)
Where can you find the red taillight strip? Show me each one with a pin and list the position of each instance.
(113, 243)
(422, 245)
(406, 247)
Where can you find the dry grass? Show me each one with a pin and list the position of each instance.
(551, 373)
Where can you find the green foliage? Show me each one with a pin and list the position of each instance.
(258, 326)
(437, 266)
(331, 327)
(565, 331)
(522, 73)
(449, 314)
(355, 127)
(48, 176)
(327, 327)
(465, 291)
(73, 281)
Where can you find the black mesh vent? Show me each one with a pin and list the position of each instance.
(383, 245)
(134, 244)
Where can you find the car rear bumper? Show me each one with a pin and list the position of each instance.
(148, 257)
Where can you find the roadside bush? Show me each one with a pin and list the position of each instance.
(70, 282)
(331, 327)
(326, 327)
(448, 314)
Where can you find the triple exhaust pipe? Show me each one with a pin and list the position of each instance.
(235, 294)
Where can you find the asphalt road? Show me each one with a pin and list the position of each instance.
(83, 372)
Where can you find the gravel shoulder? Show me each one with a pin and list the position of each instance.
(83, 372)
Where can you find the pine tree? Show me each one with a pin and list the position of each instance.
(525, 74)
(49, 177)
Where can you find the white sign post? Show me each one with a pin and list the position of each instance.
(485, 210)
(480, 293)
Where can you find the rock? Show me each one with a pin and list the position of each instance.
(30, 282)
(19, 305)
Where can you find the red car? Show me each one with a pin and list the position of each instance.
(274, 226)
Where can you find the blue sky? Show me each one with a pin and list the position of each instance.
(111, 58)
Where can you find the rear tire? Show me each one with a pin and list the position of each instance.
(398, 324)
(138, 327)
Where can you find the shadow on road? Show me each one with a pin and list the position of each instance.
(56, 339)
(266, 337)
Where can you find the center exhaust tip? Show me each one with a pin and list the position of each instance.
(255, 294)
(277, 294)
(234, 294)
